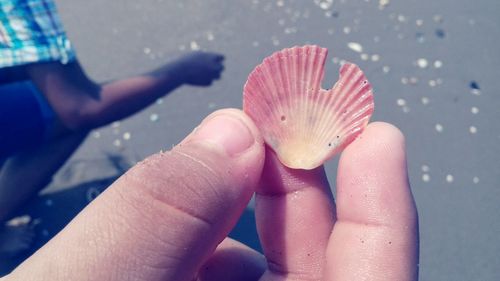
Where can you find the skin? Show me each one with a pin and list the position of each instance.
(82, 104)
(169, 216)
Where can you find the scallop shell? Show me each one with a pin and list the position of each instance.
(304, 124)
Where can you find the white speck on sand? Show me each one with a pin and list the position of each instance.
(117, 143)
(425, 168)
(127, 135)
(439, 127)
(475, 180)
(422, 63)
(194, 46)
(383, 3)
(355, 47)
(449, 178)
(475, 92)
(426, 178)
(153, 117)
(210, 36)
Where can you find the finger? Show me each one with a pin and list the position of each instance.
(233, 261)
(375, 236)
(295, 215)
(164, 217)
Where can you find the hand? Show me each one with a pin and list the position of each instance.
(168, 217)
(198, 68)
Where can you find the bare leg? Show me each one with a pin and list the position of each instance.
(25, 174)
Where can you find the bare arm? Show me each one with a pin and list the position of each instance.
(81, 103)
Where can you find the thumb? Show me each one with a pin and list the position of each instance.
(166, 215)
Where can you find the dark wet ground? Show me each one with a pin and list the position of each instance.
(433, 65)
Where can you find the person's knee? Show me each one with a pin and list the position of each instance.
(74, 119)
(76, 108)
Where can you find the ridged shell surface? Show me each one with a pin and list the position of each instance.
(304, 124)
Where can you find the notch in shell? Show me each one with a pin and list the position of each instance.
(304, 124)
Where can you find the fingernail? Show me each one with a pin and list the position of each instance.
(231, 133)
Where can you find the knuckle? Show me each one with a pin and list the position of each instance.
(177, 180)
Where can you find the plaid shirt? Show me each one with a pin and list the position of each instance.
(30, 32)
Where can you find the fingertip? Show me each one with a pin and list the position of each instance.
(229, 130)
(243, 117)
(378, 137)
(372, 180)
(380, 141)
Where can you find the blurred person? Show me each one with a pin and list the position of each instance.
(48, 104)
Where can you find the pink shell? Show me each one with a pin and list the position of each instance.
(304, 124)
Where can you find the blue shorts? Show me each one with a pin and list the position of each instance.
(26, 118)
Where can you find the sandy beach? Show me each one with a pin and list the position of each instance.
(433, 66)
